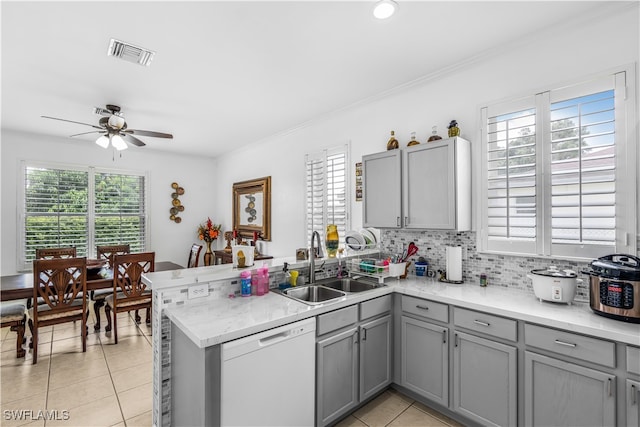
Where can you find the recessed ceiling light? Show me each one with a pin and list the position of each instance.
(384, 9)
(129, 52)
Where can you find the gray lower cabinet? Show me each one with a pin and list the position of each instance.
(559, 393)
(633, 402)
(485, 380)
(425, 359)
(337, 375)
(375, 356)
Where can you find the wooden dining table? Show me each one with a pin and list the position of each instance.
(20, 286)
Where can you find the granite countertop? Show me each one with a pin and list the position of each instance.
(218, 321)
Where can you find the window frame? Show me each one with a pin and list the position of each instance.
(92, 171)
(624, 79)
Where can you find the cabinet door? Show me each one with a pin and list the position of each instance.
(425, 359)
(484, 380)
(382, 189)
(633, 402)
(429, 199)
(559, 393)
(375, 356)
(337, 376)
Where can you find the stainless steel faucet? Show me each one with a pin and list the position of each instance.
(312, 257)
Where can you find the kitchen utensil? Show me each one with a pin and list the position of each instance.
(551, 284)
(411, 250)
(614, 287)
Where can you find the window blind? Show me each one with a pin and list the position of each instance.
(326, 191)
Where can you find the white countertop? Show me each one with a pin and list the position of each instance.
(218, 321)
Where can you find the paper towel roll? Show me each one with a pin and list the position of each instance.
(454, 263)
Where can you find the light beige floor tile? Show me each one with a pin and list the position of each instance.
(4, 331)
(124, 360)
(400, 395)
(143, 420)
(122, 424)
(9, 343)
(136, 401)
(414, 417)
(437, 414)
(23, 368)
(80, 393)
(17, 388)
(381, 410)
(101, 412)
(63, 375)
(351, 421)
(132, 377)
(125, 344)
(74, 345)
(33, 403)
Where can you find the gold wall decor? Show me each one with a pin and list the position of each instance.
(252, 208)
(359, 182)
(176, 204)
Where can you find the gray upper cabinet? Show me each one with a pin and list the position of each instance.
(426, 186)
(382, 189)
(559, 393)
(437, 185)
(485, 380)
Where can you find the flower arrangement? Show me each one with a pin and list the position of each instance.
(208, 231)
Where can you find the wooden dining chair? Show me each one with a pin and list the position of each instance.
(50, 253)
(129, 293)
(194, 255)
(105, 252)
(14, 316)
(62, 284)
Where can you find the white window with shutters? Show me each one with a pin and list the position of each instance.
(559, 174)
(63, 205)
(327, 189)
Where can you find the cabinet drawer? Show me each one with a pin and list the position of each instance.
(633, 360)
(375, 307)
(425, 308)
(338, 319)
(569, 344)
(486, 323)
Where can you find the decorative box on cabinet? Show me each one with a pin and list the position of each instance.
(426, 186)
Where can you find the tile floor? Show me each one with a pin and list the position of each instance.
(394, 409)
(109, 385)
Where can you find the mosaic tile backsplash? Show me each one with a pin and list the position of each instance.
(501, 270)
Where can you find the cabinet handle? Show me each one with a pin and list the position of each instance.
(455, 340)
(398, 221)
(633, 394)
(480, 322)
(444, 336)
(406, 220)
(566, 344)
(364, 338)
(422, 307)
(357, 335)
(609, 386)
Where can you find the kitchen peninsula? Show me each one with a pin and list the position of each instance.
(515, 321)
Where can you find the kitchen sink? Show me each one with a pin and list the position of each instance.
(349, 285)
(313, 294)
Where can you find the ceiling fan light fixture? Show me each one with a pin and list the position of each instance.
(118, 143)
(384, 9)
(102, 141)
(116, 121)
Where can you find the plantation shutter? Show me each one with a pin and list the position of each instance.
(55, 210)
(510, 177)
(120, 210)
(326, 191)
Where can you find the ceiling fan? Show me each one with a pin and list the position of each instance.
(113, 129)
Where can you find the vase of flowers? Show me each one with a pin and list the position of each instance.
(208, 232)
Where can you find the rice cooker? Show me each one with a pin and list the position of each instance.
(614, 287)
(551, 284)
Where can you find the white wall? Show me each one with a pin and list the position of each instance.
(545, 60)
(169, 240)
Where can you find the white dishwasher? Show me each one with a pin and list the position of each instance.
(268, 379)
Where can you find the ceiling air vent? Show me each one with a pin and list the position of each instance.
(129, 52)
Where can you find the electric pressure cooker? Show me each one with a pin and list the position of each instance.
(614, 287)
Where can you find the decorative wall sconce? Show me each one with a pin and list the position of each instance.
(176, 204)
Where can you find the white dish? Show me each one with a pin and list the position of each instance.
(369, 237)
(354, 240)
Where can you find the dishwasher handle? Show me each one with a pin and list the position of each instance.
(275, 338)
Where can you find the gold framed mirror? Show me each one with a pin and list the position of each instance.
(252, 208)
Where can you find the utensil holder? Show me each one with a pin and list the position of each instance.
(397, 270)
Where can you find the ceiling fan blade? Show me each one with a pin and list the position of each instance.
(85, 133)
(148, 133)
(133, 140)
(71, 121)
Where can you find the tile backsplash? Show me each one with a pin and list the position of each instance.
(501, 270)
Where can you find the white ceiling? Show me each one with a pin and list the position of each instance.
(230, 73)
